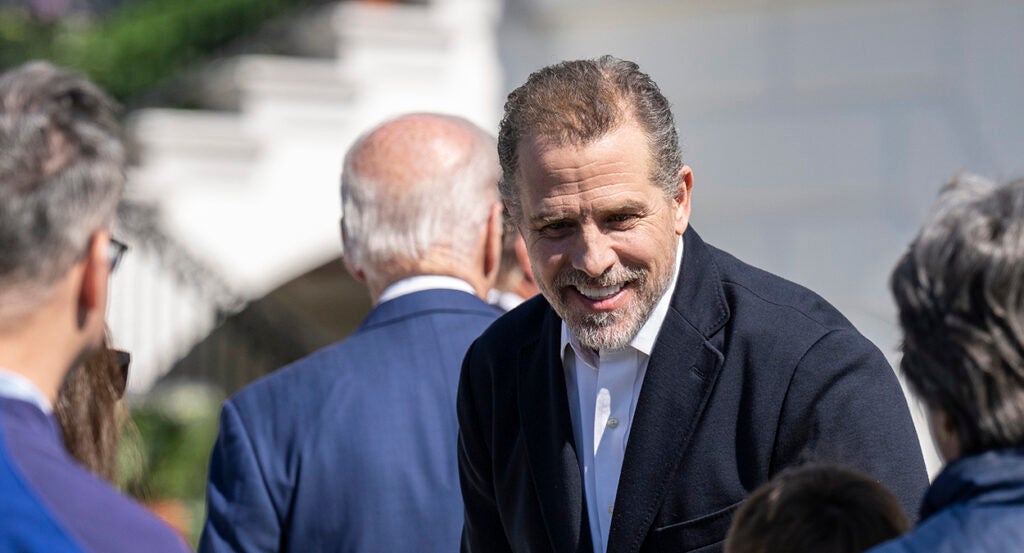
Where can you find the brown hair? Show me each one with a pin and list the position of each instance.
(577, 102)
(89, 413)
(817, 507)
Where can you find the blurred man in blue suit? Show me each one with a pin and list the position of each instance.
(353, 448)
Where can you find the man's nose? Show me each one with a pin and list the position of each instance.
(593, 253)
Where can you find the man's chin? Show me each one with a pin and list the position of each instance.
(602, 337)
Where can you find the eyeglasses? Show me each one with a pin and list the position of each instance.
(115, 250)
(124, 360)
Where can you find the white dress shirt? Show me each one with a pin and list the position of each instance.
(420, 283)
(506, 301)
(16, 386)
(603, 389)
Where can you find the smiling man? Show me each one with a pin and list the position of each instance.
(656, 380)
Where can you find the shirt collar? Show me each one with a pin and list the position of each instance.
(16, 386)
(645, 338)
(420, 283)
(506, 301)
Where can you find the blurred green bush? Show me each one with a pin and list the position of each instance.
(165, 453)
(133, 48)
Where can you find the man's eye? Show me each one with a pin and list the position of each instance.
(554, 228)
(622, 218)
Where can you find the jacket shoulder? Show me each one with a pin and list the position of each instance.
(749, 287)
(297, 392)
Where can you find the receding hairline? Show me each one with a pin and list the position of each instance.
(548, 141)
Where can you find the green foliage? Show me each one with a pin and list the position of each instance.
(22, 38)
(136, 47)
(167, 455)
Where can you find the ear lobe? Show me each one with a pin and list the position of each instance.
(682, 203)
(357, 274)
(944, 432)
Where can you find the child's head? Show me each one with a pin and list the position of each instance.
(819, 508)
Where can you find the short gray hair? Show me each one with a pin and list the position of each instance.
(61, 176)
(381, 227)
(960, 293)
(577, 102)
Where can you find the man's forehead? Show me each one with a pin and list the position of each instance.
(622, 151)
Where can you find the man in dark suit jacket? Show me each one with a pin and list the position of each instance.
(657, 380)
(353, 448)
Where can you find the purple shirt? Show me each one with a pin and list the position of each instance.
(50, 503)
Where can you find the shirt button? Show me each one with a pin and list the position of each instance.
(610, 509)
(612, 422)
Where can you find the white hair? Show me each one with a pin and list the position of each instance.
(384, 227)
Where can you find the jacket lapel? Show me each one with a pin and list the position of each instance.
(680, 376)
(547, 427)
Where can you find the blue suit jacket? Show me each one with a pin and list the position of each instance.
(749, 374)
(352, 448)
(50, 504)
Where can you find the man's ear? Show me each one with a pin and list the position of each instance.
(357, 274)
(682, 201)
(92, 293)
(523, 258)
(492, 244)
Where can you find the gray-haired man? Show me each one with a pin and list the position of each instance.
(61, 176)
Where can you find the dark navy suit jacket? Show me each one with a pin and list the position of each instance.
(352, 448)
(749, 374)
(50, 504)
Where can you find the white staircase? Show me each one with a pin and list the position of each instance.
(252, 196)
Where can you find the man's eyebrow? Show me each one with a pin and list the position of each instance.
(632, 206)
(545, 218)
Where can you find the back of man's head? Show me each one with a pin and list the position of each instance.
(577, 102)
(416, 193)
(960, 292)
(819, 508)
(61, 176)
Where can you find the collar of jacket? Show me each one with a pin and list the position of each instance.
(435, 300)
(991, 477)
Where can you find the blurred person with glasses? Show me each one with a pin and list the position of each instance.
(61, 176)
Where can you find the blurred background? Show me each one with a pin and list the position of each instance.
(818, 132)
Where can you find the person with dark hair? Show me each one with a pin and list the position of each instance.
(352, 448)
(816, 508)
(960, 293)
(656, 380)
(61, 175)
